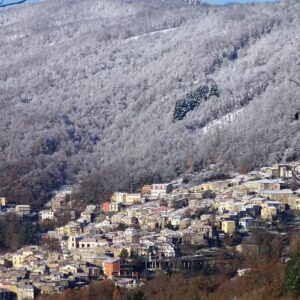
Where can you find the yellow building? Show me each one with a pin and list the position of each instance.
(228, 227)
(267, 213)
(284, 172)
(117, 249)
(67, 269)
(264, 184)
(69, 229)
(117, 218)
(273, 171)
(294, 202)
(216, 186)
(132, 198)
(124, 198)
(19, 259)
(118, 197)
(208, 186)
(281, 195)
(3, 201)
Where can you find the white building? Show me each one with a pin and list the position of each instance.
(246, 222)
(25, 292)
(73, 242)
(22, 210)
(160, 190)
(89, 243)
(46, 215)
(130, 232)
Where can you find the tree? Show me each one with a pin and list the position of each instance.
(292, 275)
(121, 227)
(233, 239)
(124, 254)
(294, 242)
(103, 130)
(276, 248)
(17, 232)
(209, 194)
(263, 240)
(210, 270)
(51, 245)
(139, 295)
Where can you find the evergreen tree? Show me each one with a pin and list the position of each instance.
(124, 254)
(214, 91)
(292, 275)
(136, 296)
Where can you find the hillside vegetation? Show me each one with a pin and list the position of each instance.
(108, 90)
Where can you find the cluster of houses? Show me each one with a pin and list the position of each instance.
(20, 210)
(58, 204)
(133, 235)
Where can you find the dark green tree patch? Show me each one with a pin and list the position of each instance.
(292, 275)
(194, 99)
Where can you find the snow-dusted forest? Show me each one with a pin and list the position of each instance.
(142, 90)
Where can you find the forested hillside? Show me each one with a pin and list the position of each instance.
(128, 91)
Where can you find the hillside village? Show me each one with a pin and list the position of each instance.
(172, 226)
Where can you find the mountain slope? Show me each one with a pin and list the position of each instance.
(91, 87)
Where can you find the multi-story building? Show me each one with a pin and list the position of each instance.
(294, 202)
(72, 228)
(3, 201)
(127, 199)
(114, 207)
(111, 267)
(58, 203)
(246, 222)
(268, 212)
(18, 260)
(86, 216)
(278, 195)
(22, 210)
(46, 215)
(228, 227)
(73, 241)
(160, 190)
(264, 184)
(132, 199)
(25, 292)
(118, 197)
(202, 228)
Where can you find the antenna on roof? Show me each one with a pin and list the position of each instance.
(3, 4)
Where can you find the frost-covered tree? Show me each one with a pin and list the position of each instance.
(88, 91)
